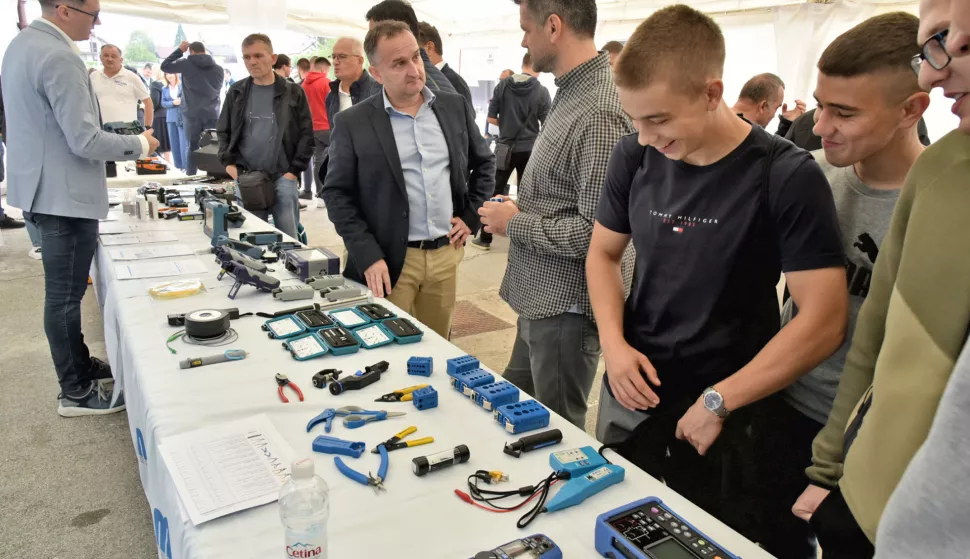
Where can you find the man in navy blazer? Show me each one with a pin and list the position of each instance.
(408, 171)
(56, 175)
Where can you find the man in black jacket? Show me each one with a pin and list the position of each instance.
(430, 41)
(353, 83)
(257, 132)
(398, 10)
(408, 172)
(202, 82)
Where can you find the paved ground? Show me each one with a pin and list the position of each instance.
(70, 487)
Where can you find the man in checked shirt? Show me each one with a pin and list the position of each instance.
(557, 346)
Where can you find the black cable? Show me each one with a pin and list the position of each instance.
(529, 491)
(539, 507)
(607, 447)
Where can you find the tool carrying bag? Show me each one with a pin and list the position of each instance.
(257, 190)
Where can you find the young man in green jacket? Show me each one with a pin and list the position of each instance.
(910, 330)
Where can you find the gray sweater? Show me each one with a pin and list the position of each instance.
(928, 514)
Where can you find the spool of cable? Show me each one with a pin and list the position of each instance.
(206, 324)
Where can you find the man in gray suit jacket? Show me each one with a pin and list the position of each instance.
(56, 175)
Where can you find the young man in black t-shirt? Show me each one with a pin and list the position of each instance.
(716, 209)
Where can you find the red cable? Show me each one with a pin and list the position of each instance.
(467, 498)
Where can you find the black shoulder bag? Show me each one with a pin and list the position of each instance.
(257, 188)
(503, 148)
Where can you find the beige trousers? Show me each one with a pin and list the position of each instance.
(428, 286)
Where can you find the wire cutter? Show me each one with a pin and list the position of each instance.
(376, 482)
(395, 442)
(354, 417)
(283, 381)
(402, 395)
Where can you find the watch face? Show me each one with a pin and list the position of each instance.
(713, 401)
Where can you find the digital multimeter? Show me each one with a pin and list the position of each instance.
(536, 546)
(649, 529)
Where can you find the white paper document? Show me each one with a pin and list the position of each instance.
(138, 238)
(146, 252)
(140, 270)
(227, 468)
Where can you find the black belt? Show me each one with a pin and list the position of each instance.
(433, 244)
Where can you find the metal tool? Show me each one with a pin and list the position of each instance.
(402, 395)
(283, 381)
(229, 355)
(354, 417)
(376, 482)
(369, 376)
(245, 275)
(533, 442)
(321, 379)
(395, 442)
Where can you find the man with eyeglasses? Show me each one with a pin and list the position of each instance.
(352, 84)
(911, 328)
(56, 175)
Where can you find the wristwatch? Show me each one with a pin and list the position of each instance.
(714, 402)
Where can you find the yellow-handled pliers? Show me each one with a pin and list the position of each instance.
(395, 442)
(402, 395)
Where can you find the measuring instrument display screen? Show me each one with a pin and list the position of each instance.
(670, 549)
(653, 529)
(283, 328)
(348, 318)
(306, 347)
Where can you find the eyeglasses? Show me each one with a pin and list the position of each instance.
(94, 16)
(933, 52)
(345, 57)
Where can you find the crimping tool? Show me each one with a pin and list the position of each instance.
(396, 442)
(245, 275)
(283, 381)
(370, 375)
(354, 417)
(402, 395)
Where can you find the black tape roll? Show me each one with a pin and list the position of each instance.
(206, 324)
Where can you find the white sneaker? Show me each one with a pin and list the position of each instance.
(320, 203)
(34, 253)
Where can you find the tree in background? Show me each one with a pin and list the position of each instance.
(141, 48)
(180, 35)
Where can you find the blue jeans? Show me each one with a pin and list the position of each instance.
(176, 139)
(69, 247)
(33, 233)
(193, 130)
(286, 210)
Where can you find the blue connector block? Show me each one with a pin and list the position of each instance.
(462, 364)
(466, 382)
(425, 398)
(420, 366)
(333, 445)
(522, 416)
(491, 396)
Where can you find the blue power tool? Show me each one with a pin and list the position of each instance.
(649, 529)
(536, 546)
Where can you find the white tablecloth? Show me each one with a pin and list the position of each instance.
(415, 517)
(130, 179)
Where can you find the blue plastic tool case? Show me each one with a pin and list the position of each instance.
(284, 327)
(493, 395)
(522, 416)
(340, 317)
(649, 529)
(465, 382)
(462, 364)
(297, 345)
(330, 335)
(420, 366)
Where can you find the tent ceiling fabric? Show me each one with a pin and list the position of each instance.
(454, 17)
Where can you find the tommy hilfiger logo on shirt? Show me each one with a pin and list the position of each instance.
(682, 222)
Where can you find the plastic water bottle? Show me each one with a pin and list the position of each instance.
(304, 510)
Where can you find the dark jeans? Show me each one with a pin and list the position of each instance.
(321, 143)
(518, 162)
(69, 246)
(839, 535)
(554, 360)
(782, 438)
(193, 131)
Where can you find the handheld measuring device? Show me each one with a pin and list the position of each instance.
(249, 250)
(245, 275)
(293, 293)
(310, 262)
(261, 237)
(649, 529)
(228, 254)
(325, 282)
(536, 546)
(215, 220)
(229, 355)
(588, 474)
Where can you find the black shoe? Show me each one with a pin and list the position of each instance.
(99, 370)
(306, 196)
(302, 206)
(10, 223)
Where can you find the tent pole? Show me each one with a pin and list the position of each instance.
(21, 14)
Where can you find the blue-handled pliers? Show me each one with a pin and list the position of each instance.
(376, 482)
(354, 417)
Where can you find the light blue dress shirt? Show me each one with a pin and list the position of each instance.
(423, 151)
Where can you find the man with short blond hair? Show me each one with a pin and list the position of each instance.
(716, 209)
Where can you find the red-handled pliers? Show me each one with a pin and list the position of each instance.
(282, 381)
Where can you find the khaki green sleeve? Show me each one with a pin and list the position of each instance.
(860, 362)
